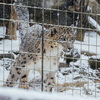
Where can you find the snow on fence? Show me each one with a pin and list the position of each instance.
(33, 52)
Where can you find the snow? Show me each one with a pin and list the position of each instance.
(90, 44)
(9, 45)
(2, 32)
(4, 69)
(72, 72)
(94, 23)
(16, 94)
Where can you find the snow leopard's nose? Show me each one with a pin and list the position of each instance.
(69, 48)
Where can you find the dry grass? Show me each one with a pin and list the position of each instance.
(96, 81)
(66, 86)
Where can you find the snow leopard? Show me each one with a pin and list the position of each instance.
(56, 40)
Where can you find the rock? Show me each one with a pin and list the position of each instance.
(70, 56)
(67, 72)
(98, 74)
(98, 1)
(78, 77)
(77, 66)
(98, 87)
(6, 63)
(63, 65)
(94, 63)
(83, 72)
(73, 56)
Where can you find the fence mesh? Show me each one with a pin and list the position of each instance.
(34, 46)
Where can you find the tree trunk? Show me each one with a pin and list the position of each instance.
(95, 9)
(12, 26)
(7, 12)
(82, 22)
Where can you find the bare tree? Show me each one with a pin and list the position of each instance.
(7, 12)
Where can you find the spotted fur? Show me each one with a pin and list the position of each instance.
(56, 40)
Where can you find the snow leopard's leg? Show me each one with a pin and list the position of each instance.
(18, 71)
(12, 78)
(23, 80)
(49, 81)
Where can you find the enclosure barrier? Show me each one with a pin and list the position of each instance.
(79, 69)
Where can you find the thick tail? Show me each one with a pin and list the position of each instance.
(23, 16)
(23, 21)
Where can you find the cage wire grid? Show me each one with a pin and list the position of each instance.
(65, 86)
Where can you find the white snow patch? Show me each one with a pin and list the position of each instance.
(90, 44)
(10, 45)
(94, 23)
(2, 32)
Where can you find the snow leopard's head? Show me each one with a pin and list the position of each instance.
(63, 35)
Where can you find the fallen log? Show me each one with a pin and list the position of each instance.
(7, 56)
(94, 63)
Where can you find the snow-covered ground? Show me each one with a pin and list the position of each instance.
(91, 43)
(77, 79)
(17, 94)
(7, 45)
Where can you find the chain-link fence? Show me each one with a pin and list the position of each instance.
(51, 45)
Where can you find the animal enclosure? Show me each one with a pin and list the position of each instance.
(56, 46)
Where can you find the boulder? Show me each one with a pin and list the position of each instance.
(94, 62)
(72, 56)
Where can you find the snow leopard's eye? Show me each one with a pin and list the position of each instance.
(73, 38)
(62, 38)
